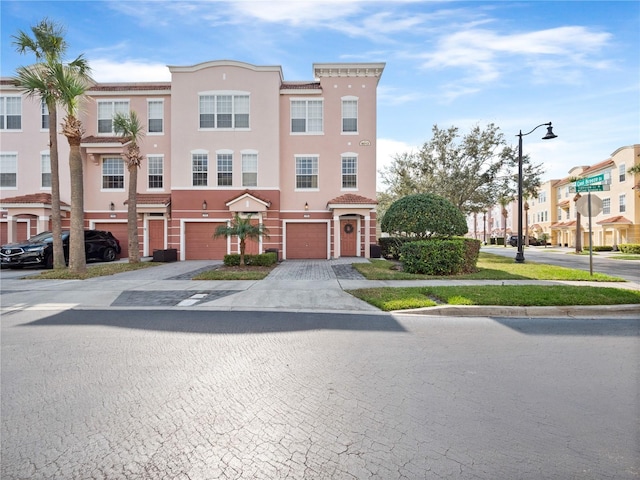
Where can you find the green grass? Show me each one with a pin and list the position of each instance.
(388, 299)
(625, 257)
(490, 267)
(97, 270)
(235, 273)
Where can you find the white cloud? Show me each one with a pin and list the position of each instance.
(386, 150)
(106, 71)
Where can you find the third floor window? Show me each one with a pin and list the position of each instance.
(156, 116)
(306, 116)
(11, 113)
(224, 111)
(107, 109)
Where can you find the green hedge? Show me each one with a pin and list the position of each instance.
(440, 256)
(390, 246)
(602, 248)
(630, 248)
(261, 260)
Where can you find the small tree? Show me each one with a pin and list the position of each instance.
(242, 228)
(424, 215)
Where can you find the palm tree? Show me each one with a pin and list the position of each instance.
(72, 84)
(132, 131)
(503, 201)
(242, 228)
(48, 45)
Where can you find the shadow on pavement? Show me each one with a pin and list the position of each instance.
(601, 327)
(235, 322)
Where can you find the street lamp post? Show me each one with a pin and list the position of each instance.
(548, 136)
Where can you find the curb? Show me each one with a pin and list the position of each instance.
(498, 311)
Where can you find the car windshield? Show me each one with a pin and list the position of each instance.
(46, 237)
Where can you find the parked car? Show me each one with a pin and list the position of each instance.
(533, 241)
(38, 250)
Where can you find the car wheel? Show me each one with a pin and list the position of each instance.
(109, 254)
(48, 261)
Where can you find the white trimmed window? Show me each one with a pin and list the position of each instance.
(606, 206)
(44, 122)
(8, 170)
(155, 112)
(306, 116)
(622, 172)
(228, 111)
(349, 115)
(349, 172)
(155, 172)
(113, 173)
(307, 172)
(622, 203)
(107, 109)
(249, 169)
(45, 169)
(199, 169)
(11, 113)
(225, 169)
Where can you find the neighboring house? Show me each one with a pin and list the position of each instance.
(222, 137)
(553, 211)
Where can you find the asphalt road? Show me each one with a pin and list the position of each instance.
(627, 269)
(121, 394)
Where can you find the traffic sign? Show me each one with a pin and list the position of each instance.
(590, 180)
(582, 205)
(590, 188)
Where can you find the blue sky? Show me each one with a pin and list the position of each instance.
(516, 64)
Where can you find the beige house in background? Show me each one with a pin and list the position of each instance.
(222, 137)
(554, 211)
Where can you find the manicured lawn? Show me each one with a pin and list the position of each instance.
(490, 267)
(402, 298)
(93, 270)
(235, 273)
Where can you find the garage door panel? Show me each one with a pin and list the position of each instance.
(306, 240)
(200, 244)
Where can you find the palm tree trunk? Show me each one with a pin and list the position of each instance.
(132, 216)
(77, 258)
(56, 219)
(242, 248)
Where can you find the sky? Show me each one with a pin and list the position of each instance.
(516, 64)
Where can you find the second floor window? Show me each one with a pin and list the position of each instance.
(349, 172)
(623, 203)
(622, 172)
(307, 172)
(349, 115)
(156, 116)
(606, 206)
(225, 169)
(10, 113)
(45, 169)
(199, 169)
(106, 112)
(113, 174)
(44, 122)
(8, 170)
(156, 172)
(306, 116)
(249, 169)
(224, 111)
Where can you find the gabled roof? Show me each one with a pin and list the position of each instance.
(33, 198)
(163, 199)
(617, 219)
(352, 199)
(248, 194)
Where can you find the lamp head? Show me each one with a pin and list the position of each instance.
(550, 133)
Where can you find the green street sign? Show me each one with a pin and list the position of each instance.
(591, 188)
(589, 181)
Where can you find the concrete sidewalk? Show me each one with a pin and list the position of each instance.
(294, 285)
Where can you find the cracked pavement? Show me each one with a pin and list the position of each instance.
(99, 394)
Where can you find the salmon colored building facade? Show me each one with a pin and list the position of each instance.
(221, 138)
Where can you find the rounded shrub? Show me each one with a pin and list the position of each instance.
(423, 215)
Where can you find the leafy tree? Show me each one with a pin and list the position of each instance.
(48, 45)
(242, 228)
(465, 170)
(72, 84)
(424, 215)
(131, 130)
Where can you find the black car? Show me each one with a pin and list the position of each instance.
(533, 241)
(38, 250)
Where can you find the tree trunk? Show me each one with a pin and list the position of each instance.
(132, 215)
(56, 219)
(77, 258)
(242, 248)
